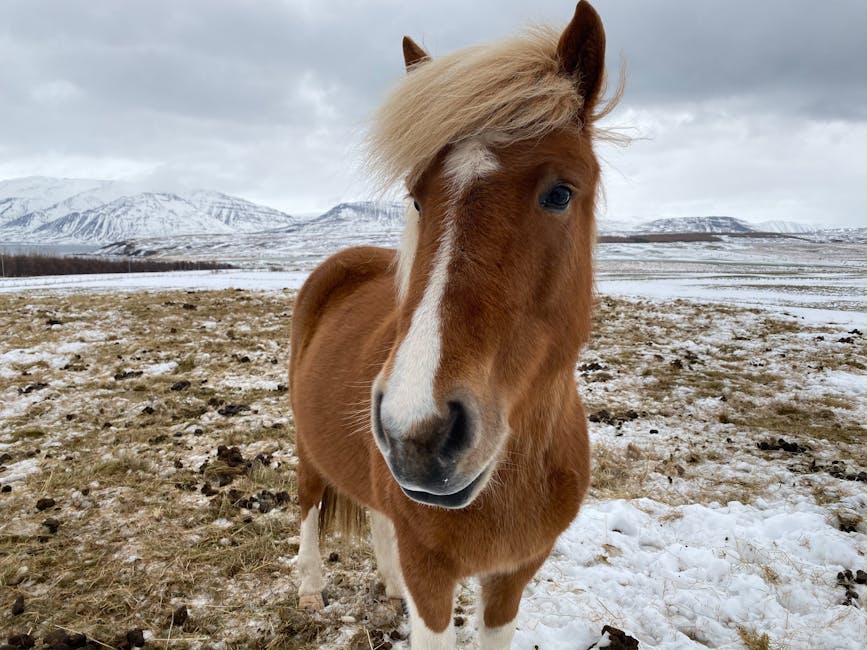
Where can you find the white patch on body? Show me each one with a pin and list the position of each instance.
(409, 396)
(421, 637)
(406, 254)
(385, 549)
(469, 161)
(309, 560)
(496, 638)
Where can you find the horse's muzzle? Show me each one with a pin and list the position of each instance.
(426, 460)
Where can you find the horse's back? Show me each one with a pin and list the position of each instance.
(340, 330)
(331, 284)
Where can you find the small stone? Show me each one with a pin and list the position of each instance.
(135, 638)
(180, 616)
(52, 525)
(459, 621)
(18, 606)
(56, 639)
(21, 641)
(6, 488)
(860, 577)
(45, 504)
(333, 557)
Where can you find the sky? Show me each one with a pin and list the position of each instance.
(756, 110)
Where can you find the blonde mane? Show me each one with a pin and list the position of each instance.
(511, 90)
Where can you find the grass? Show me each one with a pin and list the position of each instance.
(124, 459)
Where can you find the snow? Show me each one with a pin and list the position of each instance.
(228, 279)
(678, 577)
(61, 210)
(673, 576)
(20, 470)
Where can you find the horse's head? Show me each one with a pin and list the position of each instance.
(494, 274)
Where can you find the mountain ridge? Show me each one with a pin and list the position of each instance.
(39, 209)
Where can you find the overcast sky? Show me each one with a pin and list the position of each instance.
(754, 109)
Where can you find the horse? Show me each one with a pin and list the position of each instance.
(434, 386)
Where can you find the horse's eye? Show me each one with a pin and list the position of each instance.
(416, 206)
(556, 199)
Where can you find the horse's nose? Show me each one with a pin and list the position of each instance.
(425, 456)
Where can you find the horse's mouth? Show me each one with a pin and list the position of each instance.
(455, 500)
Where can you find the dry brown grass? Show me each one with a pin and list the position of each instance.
(123, 457)
(753, 640)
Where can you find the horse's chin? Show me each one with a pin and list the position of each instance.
(455, 500)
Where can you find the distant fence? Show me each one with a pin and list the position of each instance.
(19, 266)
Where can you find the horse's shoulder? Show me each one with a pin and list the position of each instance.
(337, 277)
(345, 270)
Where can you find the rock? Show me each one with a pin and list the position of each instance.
(45, 504)
(21, 641)
(180, 616)
(231, 455)
(616, 640)
(17, 606)
(52, 525)
(135, 638)
(29, 388)
(781, 445)
(860, 577)
(56, 640)
(180, 385)
(207, 490)
(6, 488)
(127, 374)
(233, 409)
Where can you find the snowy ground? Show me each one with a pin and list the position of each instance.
(693, 536)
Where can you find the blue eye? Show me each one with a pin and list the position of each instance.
(556, 199)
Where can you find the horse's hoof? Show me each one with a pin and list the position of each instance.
(398, 604)
(311, 602)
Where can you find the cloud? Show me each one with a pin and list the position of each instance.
(745, 107)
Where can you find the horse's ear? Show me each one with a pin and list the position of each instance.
(412, 53)
(582, 53)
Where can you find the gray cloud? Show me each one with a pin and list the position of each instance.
(752, 109)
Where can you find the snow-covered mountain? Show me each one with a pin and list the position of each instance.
(300, 243)
(710, 224)
(80, 211)
(784, 227)
(695, 224)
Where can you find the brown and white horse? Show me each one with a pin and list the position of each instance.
(434, 386)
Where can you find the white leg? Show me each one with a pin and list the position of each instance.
(423, 638)
(496, 638)
(385, 549)
(310, 563)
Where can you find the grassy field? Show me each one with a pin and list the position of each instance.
(146, 446)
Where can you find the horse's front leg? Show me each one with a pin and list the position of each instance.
(430, 594)
(501, 596)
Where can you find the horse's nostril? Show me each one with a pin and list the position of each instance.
(455, 431)
(378, 429)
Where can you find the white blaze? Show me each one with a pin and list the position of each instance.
(406, 254)
(409, 396)
(469, 161)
